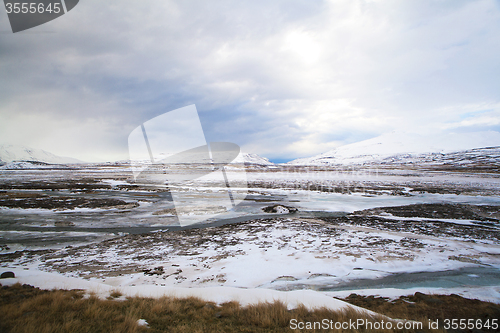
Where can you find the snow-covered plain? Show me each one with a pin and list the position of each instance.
(247, 261)
(327, 248)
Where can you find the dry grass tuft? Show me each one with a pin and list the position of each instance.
(114, 294)
(27, 309)
(422, 307)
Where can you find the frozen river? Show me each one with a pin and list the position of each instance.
(57, 227)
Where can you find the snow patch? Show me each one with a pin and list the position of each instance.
(309, 298)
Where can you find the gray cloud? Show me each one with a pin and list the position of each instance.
(283, 79)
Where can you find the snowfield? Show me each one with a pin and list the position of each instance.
(277, 254)
(380, 229)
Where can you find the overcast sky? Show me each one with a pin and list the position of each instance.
(283, 79)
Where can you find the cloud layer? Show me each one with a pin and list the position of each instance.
(283, 79)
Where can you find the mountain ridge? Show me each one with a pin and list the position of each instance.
(402, 147)
(16, 153)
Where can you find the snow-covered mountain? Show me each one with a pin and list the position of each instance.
(242, 158)
(252, 159)
(398, 147)
(10, 153)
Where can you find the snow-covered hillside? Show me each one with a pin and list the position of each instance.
(10, 153)
(398, 147)
(242, 158)
(252, 159)
(21, 165)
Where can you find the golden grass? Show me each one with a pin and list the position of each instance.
(421, 306)
(115, 294)
(27, 309)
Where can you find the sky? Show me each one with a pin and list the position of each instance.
(282, 79)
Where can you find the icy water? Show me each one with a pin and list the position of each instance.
(43, 228)
(475, 276)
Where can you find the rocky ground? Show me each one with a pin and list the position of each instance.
(288, 252)
(454, 221)
(43, 201)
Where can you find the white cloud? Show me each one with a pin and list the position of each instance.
(283, 79)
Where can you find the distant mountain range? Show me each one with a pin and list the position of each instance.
(17, 156)
(403, 148)
(458, 149)
(10, 153)
(242, 158)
